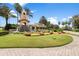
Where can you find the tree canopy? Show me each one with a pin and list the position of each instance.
(43, 20)
(75, 21)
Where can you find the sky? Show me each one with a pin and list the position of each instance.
(53, 12)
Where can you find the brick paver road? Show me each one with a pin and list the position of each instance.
(71, 49)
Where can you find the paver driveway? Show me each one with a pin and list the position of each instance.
(70, 49)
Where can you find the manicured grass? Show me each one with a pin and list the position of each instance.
(1, 30)
(21, 41)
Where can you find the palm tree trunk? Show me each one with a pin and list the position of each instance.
(17, 21)
(6, 21)
(17, 18)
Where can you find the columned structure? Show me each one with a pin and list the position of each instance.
(37, 27)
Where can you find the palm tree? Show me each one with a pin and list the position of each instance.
(59, 23)
(69, 23)
(5, 12)
(63, 23)
(29, 13)
(18, 9)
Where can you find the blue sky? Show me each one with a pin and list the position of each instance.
(54, 12)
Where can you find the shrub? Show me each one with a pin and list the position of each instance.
(51, 32)
(41, 33)
(18, 32)
(10, 26)
(27, 34)
(46, 31)
(4, 33)
(7, 27)
(55, 30)
(60, 30)
(76, 30)
(13, 26)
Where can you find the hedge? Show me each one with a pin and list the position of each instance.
(76, 30)
(4, 33)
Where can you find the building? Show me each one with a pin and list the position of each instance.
(24, 26)
(37, 27)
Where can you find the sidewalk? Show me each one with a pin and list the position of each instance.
(72, 33)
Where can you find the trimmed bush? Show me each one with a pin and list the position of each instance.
(4, 33)
(18, 32)
(51, 32)
(10, 26)
(76, 30)
(27, 34)
(14, 26)
(41, 33)
(55, 30)
(7, 27)
(60, 30)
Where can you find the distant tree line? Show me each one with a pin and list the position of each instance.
(48, 25)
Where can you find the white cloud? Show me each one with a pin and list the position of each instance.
(69, 17)
(64, 19)
(33, 11)
(13, 12)
(22, 3)
(53, 20)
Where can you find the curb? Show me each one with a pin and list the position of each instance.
(72, 34)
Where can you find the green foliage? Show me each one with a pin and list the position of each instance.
(43, 20)
(13, 26)
(66, 27)
(48, 25)
(4, 33)
(18, 8)
(18, 32)
(75, 21)
(55, 27)
(60, 30)
(29, 13)
(66, 22)
(55, 30)
(7, 27)
(76, 30)
(5, 12)
(10, 26)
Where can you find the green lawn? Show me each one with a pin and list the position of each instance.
(21, 41)
(1, 30)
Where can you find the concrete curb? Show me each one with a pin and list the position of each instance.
(72, 33)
